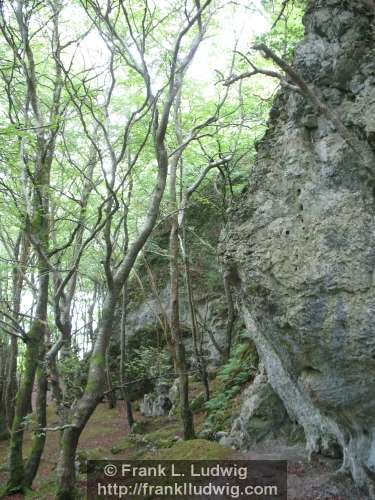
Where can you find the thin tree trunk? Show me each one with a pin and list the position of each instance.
(4, 351)
(34, 359)
(36, 338)
(4, 433)
(21, 256)
(11, 379)
(123, 377)
(90, 315)
(129, 413)
(177, 340)
(111, 393)
(55, 385)
(39, 436)
(197, 348)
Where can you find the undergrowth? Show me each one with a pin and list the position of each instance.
(232, 376)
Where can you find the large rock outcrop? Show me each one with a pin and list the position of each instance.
(300, 246)
(212, 316)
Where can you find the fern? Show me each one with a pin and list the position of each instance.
(239, 370)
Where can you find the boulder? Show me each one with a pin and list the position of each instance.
(157, 404)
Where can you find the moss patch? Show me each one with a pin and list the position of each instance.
(196, 449)
(164, 437)
(132, 447)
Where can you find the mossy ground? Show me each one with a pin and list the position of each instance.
(196, 449)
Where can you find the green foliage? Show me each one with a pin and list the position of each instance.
(288, 29)
(197, 404)
(148, 361)
(143, 367)
(232, 376)
(74, 373)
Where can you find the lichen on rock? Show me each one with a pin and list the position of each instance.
(302, 240)
(262, 415)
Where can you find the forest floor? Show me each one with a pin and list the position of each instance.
(107, 437)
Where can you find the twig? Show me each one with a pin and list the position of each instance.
(281, 13)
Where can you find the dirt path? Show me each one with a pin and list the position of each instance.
(314, 480)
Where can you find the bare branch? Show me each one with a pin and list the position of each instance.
(281, 13)
(312, 93)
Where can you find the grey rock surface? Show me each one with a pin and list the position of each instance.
(300, 246)
(211, 312)
(157, 403)
(173, 392)
(262, 414)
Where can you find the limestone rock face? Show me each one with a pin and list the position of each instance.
(300, 245)
(158, 403)
(262, 414)
(212, 317)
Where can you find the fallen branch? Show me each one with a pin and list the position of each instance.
(49, 429)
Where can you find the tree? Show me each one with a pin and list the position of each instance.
(122, 44)
(18, 35)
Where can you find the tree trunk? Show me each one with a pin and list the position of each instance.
(20, 255)
(4, 354)
(16, 467)
(178, 347)
(55, 386)
(129, 413)
(111, 393)
(86, 405)
(34, 354)
(123, 377)
(4, 433)
(66, 466)
(39, 437)
(198, 348)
